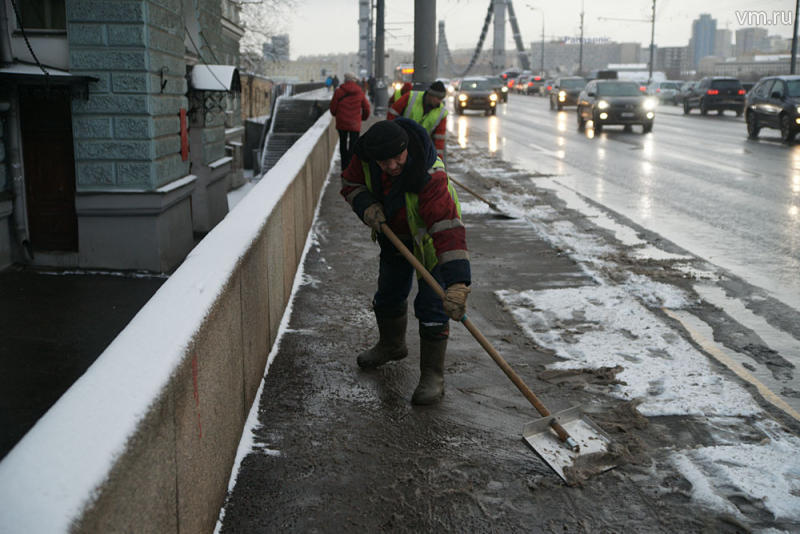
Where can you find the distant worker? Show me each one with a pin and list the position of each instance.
(335, 81)
(396, 178)
(402, 90)
(350, 107)
(329, 82)
(427, 109)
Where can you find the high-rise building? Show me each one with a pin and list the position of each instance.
(672, 60)
(751, 40)
(704, 31)
(723, 43)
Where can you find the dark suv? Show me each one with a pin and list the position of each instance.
(607, 102)
(715, 94)
(774, 103)
(565, 91)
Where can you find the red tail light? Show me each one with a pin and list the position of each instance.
(537, 78)
(643, 89)
(658, 90)
(505, 76)
(549, 87)
(530, 84)
(742, 91)
(712, 92)
(511, 83)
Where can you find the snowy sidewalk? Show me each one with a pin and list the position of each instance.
(582, 317)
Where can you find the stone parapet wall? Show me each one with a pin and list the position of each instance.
(146, 439)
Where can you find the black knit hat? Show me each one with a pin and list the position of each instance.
(437, 89)
(382, 141)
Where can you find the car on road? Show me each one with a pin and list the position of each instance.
(535, 85)
(546, 88)
(521, 83)
(606, 102)
(476, 93)
(565, 91)
(500, 87)
(664, 91)
(683, 92)
(508, 77)
(716, 93)
(774, 102)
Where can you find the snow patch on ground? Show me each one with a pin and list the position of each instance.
(606, 326)
(768, 474)
(473, 207)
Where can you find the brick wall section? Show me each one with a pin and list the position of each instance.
(165, 25)
(127, 133)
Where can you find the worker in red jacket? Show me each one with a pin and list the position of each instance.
(396, 178)
(427, 109)
(398, 93)
(350, 107)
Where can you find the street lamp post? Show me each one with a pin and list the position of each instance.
(541, 12)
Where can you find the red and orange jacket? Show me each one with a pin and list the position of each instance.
(436, 206)
(349, 106)
(438, 134)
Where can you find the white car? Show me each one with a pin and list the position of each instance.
(665, 91)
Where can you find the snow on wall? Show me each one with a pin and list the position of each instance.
(50, 476)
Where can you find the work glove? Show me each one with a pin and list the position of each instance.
(455, 301)
(373, 217)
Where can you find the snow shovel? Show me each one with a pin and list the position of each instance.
(568, 441)
(500, 213)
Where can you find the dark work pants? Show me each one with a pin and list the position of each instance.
(346, 142)
(395, 278)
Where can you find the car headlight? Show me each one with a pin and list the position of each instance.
(493, 97)
(602, 104)
(798, 110)
(562, 93)
(462, 98)
(504, 89)
(649, 104)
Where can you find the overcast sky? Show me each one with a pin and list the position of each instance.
(331, 26)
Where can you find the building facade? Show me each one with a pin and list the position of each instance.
(704, 30)
(118, 130)
(673, 60)
(723, 43)
(750, 41)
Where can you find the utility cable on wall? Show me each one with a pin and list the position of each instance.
(200, 55)
(25, 37)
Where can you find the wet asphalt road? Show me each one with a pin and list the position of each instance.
(337, 448)
(696, 180)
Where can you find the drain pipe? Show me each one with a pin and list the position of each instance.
(10, 108)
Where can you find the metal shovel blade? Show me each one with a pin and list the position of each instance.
(593, 456)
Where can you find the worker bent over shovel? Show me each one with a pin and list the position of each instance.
(396, 177)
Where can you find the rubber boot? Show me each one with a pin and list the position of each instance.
(391, 343)
(431, 364)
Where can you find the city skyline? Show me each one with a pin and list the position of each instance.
(337, 22)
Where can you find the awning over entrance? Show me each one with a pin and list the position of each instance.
(25, 73)
(215, 78)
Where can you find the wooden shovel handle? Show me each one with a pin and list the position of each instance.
(473, 193)
(487, 346)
